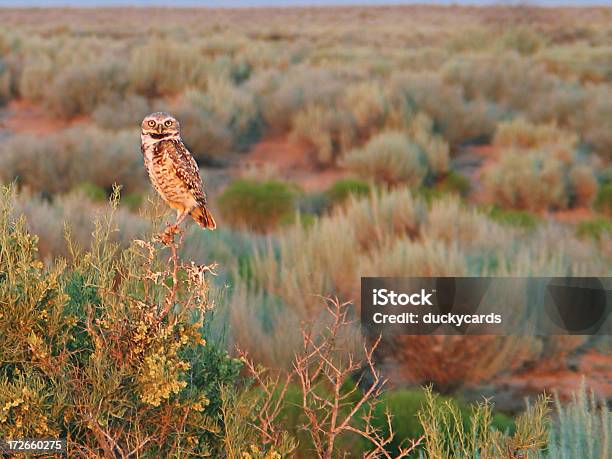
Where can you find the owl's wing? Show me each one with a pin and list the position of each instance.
(185, 167)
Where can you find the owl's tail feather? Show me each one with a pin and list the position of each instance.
(203, 217)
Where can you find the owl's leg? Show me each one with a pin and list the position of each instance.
(168, 235)
(180, 216)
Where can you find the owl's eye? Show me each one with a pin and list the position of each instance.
(168, 123)
(151, 123)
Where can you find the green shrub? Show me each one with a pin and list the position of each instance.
(93, 192)
(95, 350)
(603, 201)
(133, 200)
(517, 218)
(342, 189)
(389, 158)
(596, 228)
(404, 406)
(454, 182)
(258, 205)
(445, 437)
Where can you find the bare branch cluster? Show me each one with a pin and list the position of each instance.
(331, 406)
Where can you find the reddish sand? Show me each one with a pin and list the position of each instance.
(24, 117)
(573, 215)
(593, 366)
(291, 161)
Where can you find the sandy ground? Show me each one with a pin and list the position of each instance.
(24, 117)
(279, 157)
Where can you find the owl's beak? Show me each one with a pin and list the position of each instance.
(160, 128)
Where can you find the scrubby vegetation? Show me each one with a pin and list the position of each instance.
(395, 141)
(538, 169)
(258, 205)
(111, 349)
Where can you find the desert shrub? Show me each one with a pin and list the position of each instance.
(577, 62)
(96, 351)
(517, 218)
(368, 105)
(80, 89)
(454, 182)
(404, 406)
(313, 203)
(583, 429)
(586, 118)
(283, 94)
(436, 149)
(507, 79)
(232, 107)
(162, 67)
(328, 132)
(121, 113)
(520, 133)
(342, 189)
(36, 74)
(523, 40)
(6, 91)
(445, 437)
(543, 156)
(389, 158)
(55, 164)
(92, 192)
(539, 180)
(361, 112)
(392, 233)
(458, 119)
(72, 212)
(242, 438)
(258, 205)
(596, 228)
(584, 185)
(133, 200)
(206, 136)
(603, 201)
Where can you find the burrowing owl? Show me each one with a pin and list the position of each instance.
(172, 170)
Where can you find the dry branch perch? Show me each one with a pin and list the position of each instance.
(323, 362)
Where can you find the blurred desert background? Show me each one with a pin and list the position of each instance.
(335, 143)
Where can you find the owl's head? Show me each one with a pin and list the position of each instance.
(160, 125)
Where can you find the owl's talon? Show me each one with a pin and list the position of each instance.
(167, 237)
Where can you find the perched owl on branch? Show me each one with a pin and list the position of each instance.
(173, 171)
